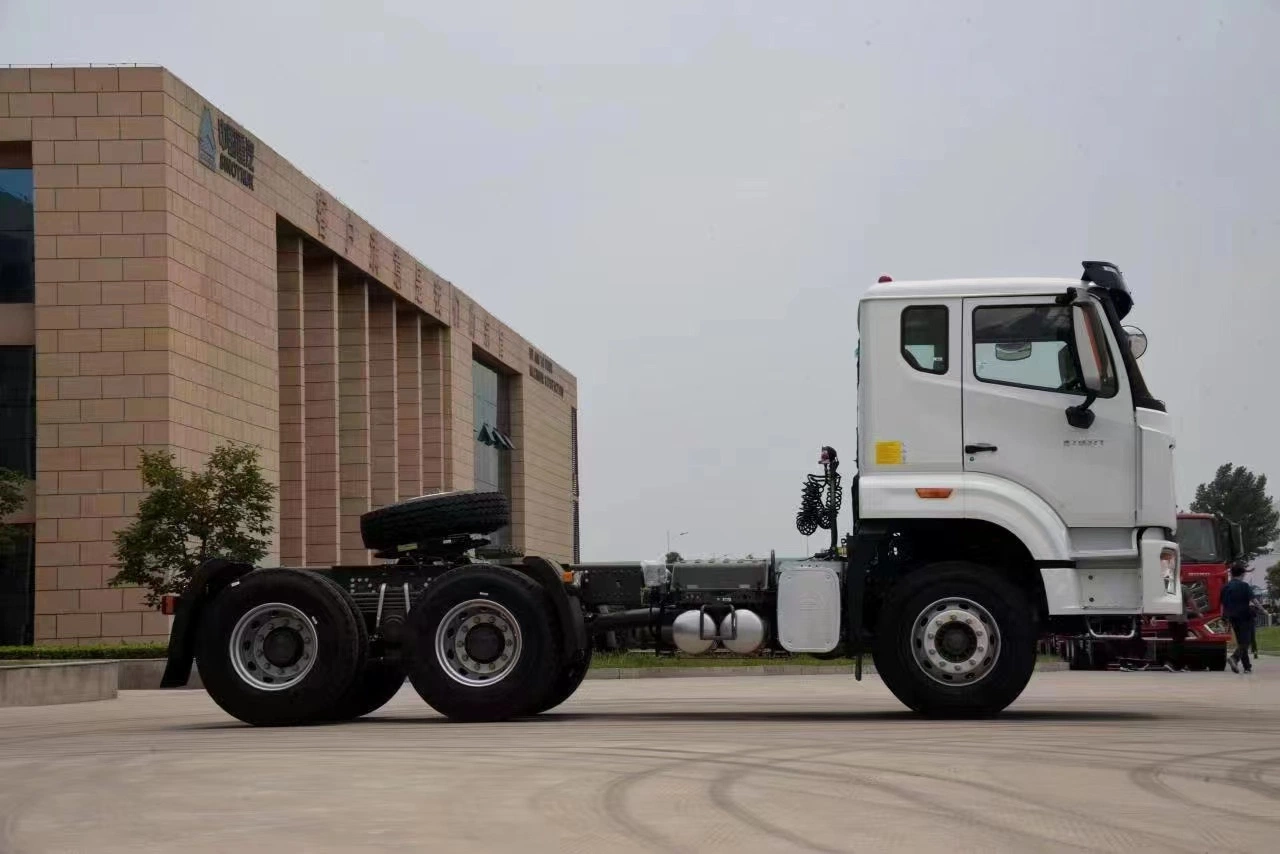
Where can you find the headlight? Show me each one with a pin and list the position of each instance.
(1218, 627)
(1169, 568)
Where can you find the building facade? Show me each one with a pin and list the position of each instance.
(167, 281)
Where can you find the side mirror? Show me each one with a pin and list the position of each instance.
(1237, 542)
(1088, 349)
(1137, 341)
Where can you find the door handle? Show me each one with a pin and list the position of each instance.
(980, 448)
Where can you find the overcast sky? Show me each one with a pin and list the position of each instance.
(681, 202)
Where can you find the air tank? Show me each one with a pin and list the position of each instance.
(685, 635)
(742, 631)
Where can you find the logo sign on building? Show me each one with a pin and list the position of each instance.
(225, 148)
(541, 370)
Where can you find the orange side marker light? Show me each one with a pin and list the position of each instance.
(933, 492)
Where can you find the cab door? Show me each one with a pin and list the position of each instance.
(1022, 372)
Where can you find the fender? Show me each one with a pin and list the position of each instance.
(970, 496)
(550, 575)
(209, 579)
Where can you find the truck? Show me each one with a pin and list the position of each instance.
(1014, 479)
(1209, 544)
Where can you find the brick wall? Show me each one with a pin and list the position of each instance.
(177, 308)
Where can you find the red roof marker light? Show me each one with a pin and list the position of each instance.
(884, 279)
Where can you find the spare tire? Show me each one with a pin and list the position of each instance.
(430, 517)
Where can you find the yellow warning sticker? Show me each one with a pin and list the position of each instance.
(888, 453)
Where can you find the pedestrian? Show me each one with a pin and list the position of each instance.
(1237, 607)
(1178, 630)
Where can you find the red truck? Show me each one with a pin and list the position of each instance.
(1209, 545)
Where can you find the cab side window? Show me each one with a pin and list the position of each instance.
(924, 338)
(1033, 346)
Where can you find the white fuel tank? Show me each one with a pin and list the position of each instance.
(809, 605)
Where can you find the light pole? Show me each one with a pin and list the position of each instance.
(678, 536)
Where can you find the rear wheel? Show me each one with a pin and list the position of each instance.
(373, 688)
(279, 647)
(956, 640)
(483, 645)
(568, 681)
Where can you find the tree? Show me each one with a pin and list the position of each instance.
(188, 517)
(1273, 582)
(673, 557)
(13, 487)
(1241, 496)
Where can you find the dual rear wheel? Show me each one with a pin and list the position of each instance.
(286, 647)
(283, 647)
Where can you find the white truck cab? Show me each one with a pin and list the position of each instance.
(1019, 404)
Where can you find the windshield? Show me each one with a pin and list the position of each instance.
(1197, 540)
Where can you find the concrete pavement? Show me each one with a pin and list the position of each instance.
(1083, 762)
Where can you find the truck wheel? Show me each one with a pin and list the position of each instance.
(1215, 660)
(433, 516)
(373, 688)
(483, 644)
(279, 648)
(956, 640)
(568, 681)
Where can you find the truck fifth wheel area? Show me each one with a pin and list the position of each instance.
(1014, 481)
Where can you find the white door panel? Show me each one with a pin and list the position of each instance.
(1086, 475)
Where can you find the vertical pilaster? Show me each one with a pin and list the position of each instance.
(435, 379)
(293, 479)
(519, 435)
(383, 405)
(320, 337)
(409, 402)
(460, 426)
(353, 393)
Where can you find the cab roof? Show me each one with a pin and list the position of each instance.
(1013, 287)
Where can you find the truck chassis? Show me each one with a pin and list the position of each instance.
(503, 637)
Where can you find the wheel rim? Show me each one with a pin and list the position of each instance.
(273, 646)
(478, 643)
(955, 641)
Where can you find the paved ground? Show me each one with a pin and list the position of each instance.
(1083, 762)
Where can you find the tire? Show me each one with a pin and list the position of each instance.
(1212, 660)
(567, 682)
(309, 612)
(980, 685)
(433, 516)
(373, 688)
(521, 624)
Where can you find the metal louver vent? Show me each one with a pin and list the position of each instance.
(577, 539)
(573, 441)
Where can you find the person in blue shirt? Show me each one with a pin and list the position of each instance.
(1237, 607)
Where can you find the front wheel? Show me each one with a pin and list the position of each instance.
(956, 640)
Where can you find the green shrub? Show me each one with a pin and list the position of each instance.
(64, 653)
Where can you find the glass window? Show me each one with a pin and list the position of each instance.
(924, 338)
(492, 426)
(1033, 346)
(17, 571)
(18, 410)
(17, 236)
(1198, 541)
